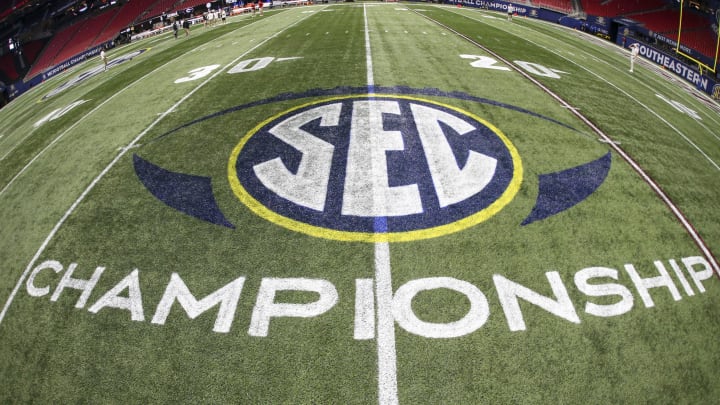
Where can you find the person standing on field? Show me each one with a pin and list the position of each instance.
(511, 11)
(186, 26)
(634, 52)
(103, 58)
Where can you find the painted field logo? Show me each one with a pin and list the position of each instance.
(381, 168)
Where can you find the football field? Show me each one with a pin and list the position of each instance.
(361, 203)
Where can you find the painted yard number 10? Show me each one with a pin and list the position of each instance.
(486, 62)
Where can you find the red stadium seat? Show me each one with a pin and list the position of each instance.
(615, 8)
(564, 6)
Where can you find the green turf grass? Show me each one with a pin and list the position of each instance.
(54, 352)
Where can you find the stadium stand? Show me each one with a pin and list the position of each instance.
(8, 73)
(8, 7)
(85, 35)
(5, 11)
(564, 6)
(56, 44)
(191, 3)
(160, 7)
(702, 41)
(614, 8)
(100, 25)
(129, 13)
(88, 33)
(696, 33)
(32, 50)
(662, 17)
(668, 20)
(665, 21)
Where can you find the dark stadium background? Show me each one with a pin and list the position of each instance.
(39, 35)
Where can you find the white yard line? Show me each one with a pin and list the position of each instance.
(708, 129)
(16, 145)
(32, 131)
(368, 52)
(117, 158)
(59, 137)
(387, 355)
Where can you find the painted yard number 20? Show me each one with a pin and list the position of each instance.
(486, 62)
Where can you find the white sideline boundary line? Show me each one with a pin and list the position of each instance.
(699, 242)
(117, 158)
(386, 350)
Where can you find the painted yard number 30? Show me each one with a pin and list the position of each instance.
(248, 65)
(486, 62)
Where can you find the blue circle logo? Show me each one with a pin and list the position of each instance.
(375, 168)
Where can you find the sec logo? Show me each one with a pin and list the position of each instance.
(375, 168)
